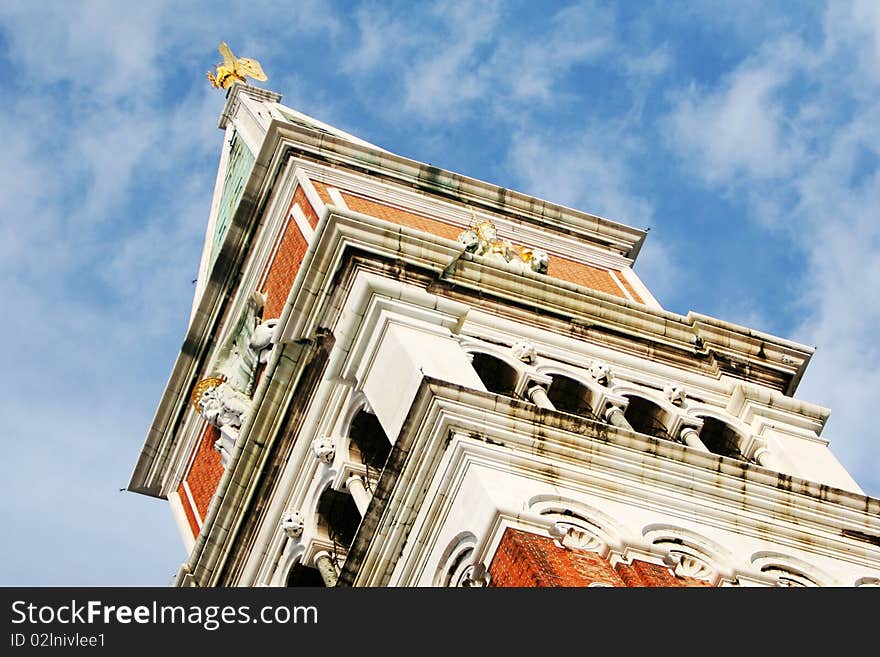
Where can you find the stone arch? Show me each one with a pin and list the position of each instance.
(357, 403)
(721, 433)
(788, 570)
(690, 554)
(556, 509)
(571, 391)
(500, 373)
(648, 413)
(455, 560)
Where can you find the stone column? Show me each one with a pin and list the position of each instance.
(613, 415)
(324, 564)
(539, 397)
(691, 438)
(764, 458)
(355, 486)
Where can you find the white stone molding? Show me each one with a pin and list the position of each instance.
(574, 537)
(688, 565)
(292, 524)
(691, 554)
(324, 449)
(868, 581)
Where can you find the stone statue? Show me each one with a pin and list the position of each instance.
(482, 239)
(261, 339)
(524, 351)
(471, 241)
(674, 393)
(235, 69)
(223, 399)
(222, 406)
(600, 372)
(292, 524)
(324, 449)
(475, 576)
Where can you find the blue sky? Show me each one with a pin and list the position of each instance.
(745, 135)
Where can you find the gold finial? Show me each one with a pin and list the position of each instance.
(234, 69)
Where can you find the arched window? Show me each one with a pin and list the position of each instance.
(455, 564)
(338, 515)
(368, 438)
(645, 417)
(789, 577)
(569, 396)
(301, 575)
(720, 438)
(496, 375)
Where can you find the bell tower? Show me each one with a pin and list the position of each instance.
(396, 375)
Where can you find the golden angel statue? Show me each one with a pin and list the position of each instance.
(234, 69)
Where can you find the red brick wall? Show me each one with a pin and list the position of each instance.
(629, 288)
(401, 217)
(205, 473)
(524, 559)
(202, 479)
(288, 257)
(642, 573)
(321, 188)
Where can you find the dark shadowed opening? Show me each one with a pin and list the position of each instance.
(367, 435)
(720, 438)
(646, 417)
(301, 575)
(339, 516)
(569, 396)
(496, 375)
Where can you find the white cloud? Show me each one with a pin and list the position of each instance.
(740, 129)
(587, 169)
(457, 57)
(792, 131)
